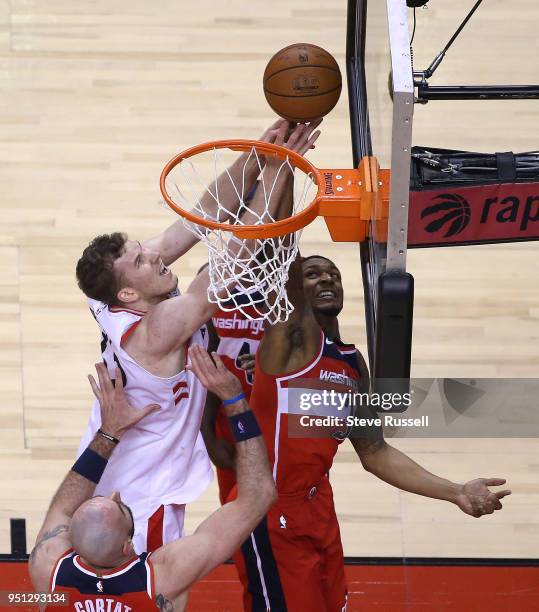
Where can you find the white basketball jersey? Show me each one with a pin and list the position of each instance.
(162, 460)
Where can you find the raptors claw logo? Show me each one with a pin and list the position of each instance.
(456, 212)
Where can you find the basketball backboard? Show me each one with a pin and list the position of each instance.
(388, 288)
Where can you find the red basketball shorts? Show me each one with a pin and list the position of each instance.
(293, 560)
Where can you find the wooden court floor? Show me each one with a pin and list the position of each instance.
(97, 95)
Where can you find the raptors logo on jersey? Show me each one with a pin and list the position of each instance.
(163, 459)
(126, 588)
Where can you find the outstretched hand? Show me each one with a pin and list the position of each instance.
(270, 134)
(212, 373)
(476, 499)
(299, 138)
(247, 363)
(117, 416)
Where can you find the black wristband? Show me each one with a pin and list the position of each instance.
(90, 465)
(244, 426)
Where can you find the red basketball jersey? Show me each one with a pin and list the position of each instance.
(238, 336)
(126, 588)
(298, 462)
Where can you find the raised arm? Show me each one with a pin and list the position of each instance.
(276, 175)
(180, 563)
(288, 346)
(79, 484)
(220, 451)
(177, 239)
(172, 322)
(273, 195)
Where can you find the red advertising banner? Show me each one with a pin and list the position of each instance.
(503, 212)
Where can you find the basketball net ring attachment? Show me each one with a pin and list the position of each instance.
(250, 250)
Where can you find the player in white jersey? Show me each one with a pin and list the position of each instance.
(163, 464)
(168, 465)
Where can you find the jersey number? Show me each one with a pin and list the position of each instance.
(104, 344)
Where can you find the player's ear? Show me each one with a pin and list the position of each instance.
(128, 549)
(127, 295)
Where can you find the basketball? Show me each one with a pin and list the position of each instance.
(302, 82)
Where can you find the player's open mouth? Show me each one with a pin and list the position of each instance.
(327, 295)
(163, 269)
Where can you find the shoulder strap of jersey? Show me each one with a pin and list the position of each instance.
(150, 574)
(54, 573)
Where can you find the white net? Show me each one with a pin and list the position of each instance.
(244, 189)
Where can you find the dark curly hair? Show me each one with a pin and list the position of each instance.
(95, 275)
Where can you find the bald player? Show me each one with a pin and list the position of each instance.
(84, 548)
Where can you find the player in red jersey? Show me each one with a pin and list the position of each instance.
(294, 558)
(84, 550)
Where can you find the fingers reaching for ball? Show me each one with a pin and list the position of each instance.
(274, 130)
(303, 137)
(297, 137)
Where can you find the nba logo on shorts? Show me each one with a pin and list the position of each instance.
(241, 427)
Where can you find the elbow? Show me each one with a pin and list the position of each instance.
(371, 463)
(367, 464)
(209, 310)
(266, 496)
(371, 454)
(256, 502)
(271, 494)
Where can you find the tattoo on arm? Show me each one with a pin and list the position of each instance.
(48, 535)
(296, 336)
(163, 604)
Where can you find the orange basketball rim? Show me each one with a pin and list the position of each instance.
(347, 198)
